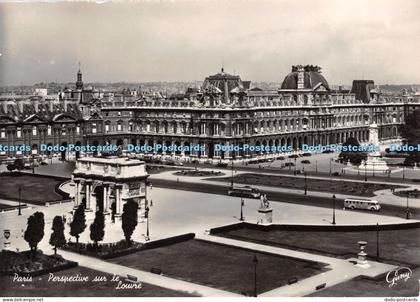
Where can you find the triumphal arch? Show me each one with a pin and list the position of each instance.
(105, 184)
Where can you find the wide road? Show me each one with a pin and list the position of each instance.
(388, 210)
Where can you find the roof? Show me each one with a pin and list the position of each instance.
(311, 80)
(363, 89)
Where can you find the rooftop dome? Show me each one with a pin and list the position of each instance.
(224, 81)
(312, 77)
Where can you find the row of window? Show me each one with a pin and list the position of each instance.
(3, 133)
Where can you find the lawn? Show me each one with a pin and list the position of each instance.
(343, 187)
(7, 206)
(366, 287)
(35, 189)
(223, 267)
(400, 247)
(40, 287)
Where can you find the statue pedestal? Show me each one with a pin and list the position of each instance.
(361, 256)
(374, 164)
(266, 215)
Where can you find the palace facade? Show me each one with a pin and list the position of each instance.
(225, 110)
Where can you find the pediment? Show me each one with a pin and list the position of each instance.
(4, 119)
(34, 119)
(63, 118)
(320, 87)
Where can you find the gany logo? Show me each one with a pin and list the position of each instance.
(400, 273)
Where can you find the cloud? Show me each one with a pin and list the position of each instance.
(187, 40)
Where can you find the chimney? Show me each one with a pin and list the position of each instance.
(5, 107)
(51, 106)
(65, 105)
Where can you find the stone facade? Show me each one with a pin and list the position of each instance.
(225, 110)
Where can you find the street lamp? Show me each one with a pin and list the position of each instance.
(306, 187)
(146, 215)
(377, 241)
(242, 212)
(20, 200)
(231, 181)
(295, 167)
(255, 262)
(333, 221)
(316, 166)
(403, 172)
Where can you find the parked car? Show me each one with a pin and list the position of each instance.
(222, 165)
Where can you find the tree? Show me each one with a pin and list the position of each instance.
(57, 238)
(355, 157)
(78, 225)
(34, 231)
(97, 228)
(11, 167)
(411, 132)
(129, 219)
(19, 164)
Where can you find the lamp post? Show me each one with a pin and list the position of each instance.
(377, 241)
(20, 200)
(316, 166)
(242, 212)
(146, 215)
(294, 172)
(255, 262)
(403, 176)
(231, 181)
(333, 221)
(306, 187)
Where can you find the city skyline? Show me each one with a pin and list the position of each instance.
(186, 41)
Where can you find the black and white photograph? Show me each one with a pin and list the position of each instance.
(210, 149)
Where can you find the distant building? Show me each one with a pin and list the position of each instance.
(225, 110)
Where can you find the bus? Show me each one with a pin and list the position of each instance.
(362, 204)
(245, 191)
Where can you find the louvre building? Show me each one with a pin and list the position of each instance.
(225, 110)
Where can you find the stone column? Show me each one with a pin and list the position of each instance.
(77, 200)
(88, 193)
(106, 197)
(118, 200)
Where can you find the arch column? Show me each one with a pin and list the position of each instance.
(88, 194)
(77, 182)
(118, 200)
(106, 186)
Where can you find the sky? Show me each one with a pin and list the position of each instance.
(188, 40)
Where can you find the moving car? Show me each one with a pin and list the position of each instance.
(245, 191)
(362, 204)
